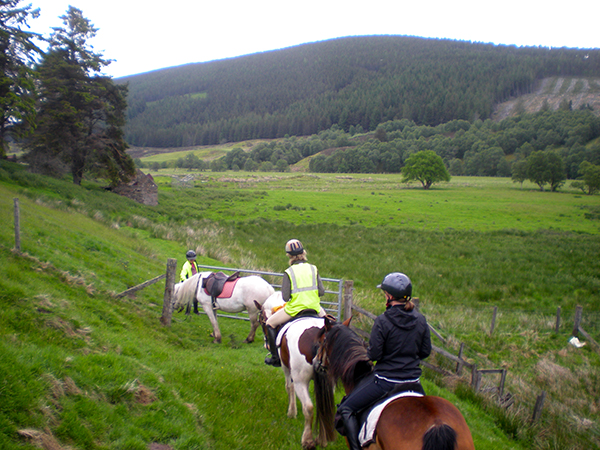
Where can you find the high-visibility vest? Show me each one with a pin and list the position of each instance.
(186, 270)
(304, 289)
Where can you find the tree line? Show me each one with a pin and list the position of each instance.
(55, 104)
(547, 148)
(349, 82)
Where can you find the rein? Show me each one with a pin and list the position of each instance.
(321, 359)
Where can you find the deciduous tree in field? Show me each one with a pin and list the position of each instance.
(590, 178)
(519, 171)
(546, 167)
(425, 166)
(81, 112)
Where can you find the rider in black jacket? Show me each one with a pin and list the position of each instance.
(399, 340)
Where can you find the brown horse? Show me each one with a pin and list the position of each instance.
(407, 423)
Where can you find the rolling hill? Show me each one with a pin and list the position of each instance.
(356, 82)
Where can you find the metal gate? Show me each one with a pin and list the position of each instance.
(331, 301)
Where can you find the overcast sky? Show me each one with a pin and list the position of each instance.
(142, 36)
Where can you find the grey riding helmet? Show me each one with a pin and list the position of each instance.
(191, 254)
(397, 284)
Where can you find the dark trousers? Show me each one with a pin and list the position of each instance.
(372, 389)
(365, 394)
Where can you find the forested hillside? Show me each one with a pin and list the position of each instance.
(356, 82)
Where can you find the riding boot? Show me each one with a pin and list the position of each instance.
(196, 307)
(351, 427)
(272, 360)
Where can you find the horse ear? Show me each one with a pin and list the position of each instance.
(258, 305)
(329, 323)
(347, 321)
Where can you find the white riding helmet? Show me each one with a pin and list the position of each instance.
(294, 247)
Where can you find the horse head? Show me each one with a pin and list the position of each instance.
(265, 310)
(342, 354)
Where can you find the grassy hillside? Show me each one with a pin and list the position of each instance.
(82, 369)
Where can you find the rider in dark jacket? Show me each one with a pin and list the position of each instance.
(399, 340)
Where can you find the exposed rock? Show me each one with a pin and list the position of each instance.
(142, 189)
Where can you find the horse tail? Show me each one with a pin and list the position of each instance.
(325, 403)
(440, 437)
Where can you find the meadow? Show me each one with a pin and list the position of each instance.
(93, 371)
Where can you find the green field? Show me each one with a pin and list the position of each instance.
(94, 371)
(465, 203)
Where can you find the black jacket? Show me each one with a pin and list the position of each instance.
(399, 340)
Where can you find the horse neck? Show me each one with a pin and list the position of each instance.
(189, 287)
(348, 358)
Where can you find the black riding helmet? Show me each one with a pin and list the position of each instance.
(191, 254)
(397, 284)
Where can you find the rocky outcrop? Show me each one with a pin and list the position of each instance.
(142, 189)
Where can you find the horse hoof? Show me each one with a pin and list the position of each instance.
(309, 445)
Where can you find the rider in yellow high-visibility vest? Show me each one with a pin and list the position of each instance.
(301, 288)
(190, 267)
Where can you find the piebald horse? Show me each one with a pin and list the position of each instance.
(248, 291)
(407, 423)
(298, 345)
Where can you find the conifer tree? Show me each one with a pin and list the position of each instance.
(17, 54)
(81, 112)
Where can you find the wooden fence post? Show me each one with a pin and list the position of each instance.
(578, 311)
(557, 319)
(167, 310)
(459, 365)
(537, 409)
(17, 225)
(501, 387)
(493, 320)
(474, 378)
(348, 287)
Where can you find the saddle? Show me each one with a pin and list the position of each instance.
(304, 314)
(367, 421)
(215, 283)
(366, 436)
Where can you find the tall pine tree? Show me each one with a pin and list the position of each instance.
(81, 112)
(17, 54)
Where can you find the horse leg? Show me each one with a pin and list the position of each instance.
(301, 388)
(253, 327)
(292, 411)
(207, 307)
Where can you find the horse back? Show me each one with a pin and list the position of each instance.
(298, 342)
(408, 420)
(253, 288)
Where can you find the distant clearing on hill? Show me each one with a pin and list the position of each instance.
(551, 93)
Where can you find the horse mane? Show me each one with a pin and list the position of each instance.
(348, 360)
(186, 290)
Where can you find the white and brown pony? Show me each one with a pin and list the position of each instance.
(296, 346)
(243, 295)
